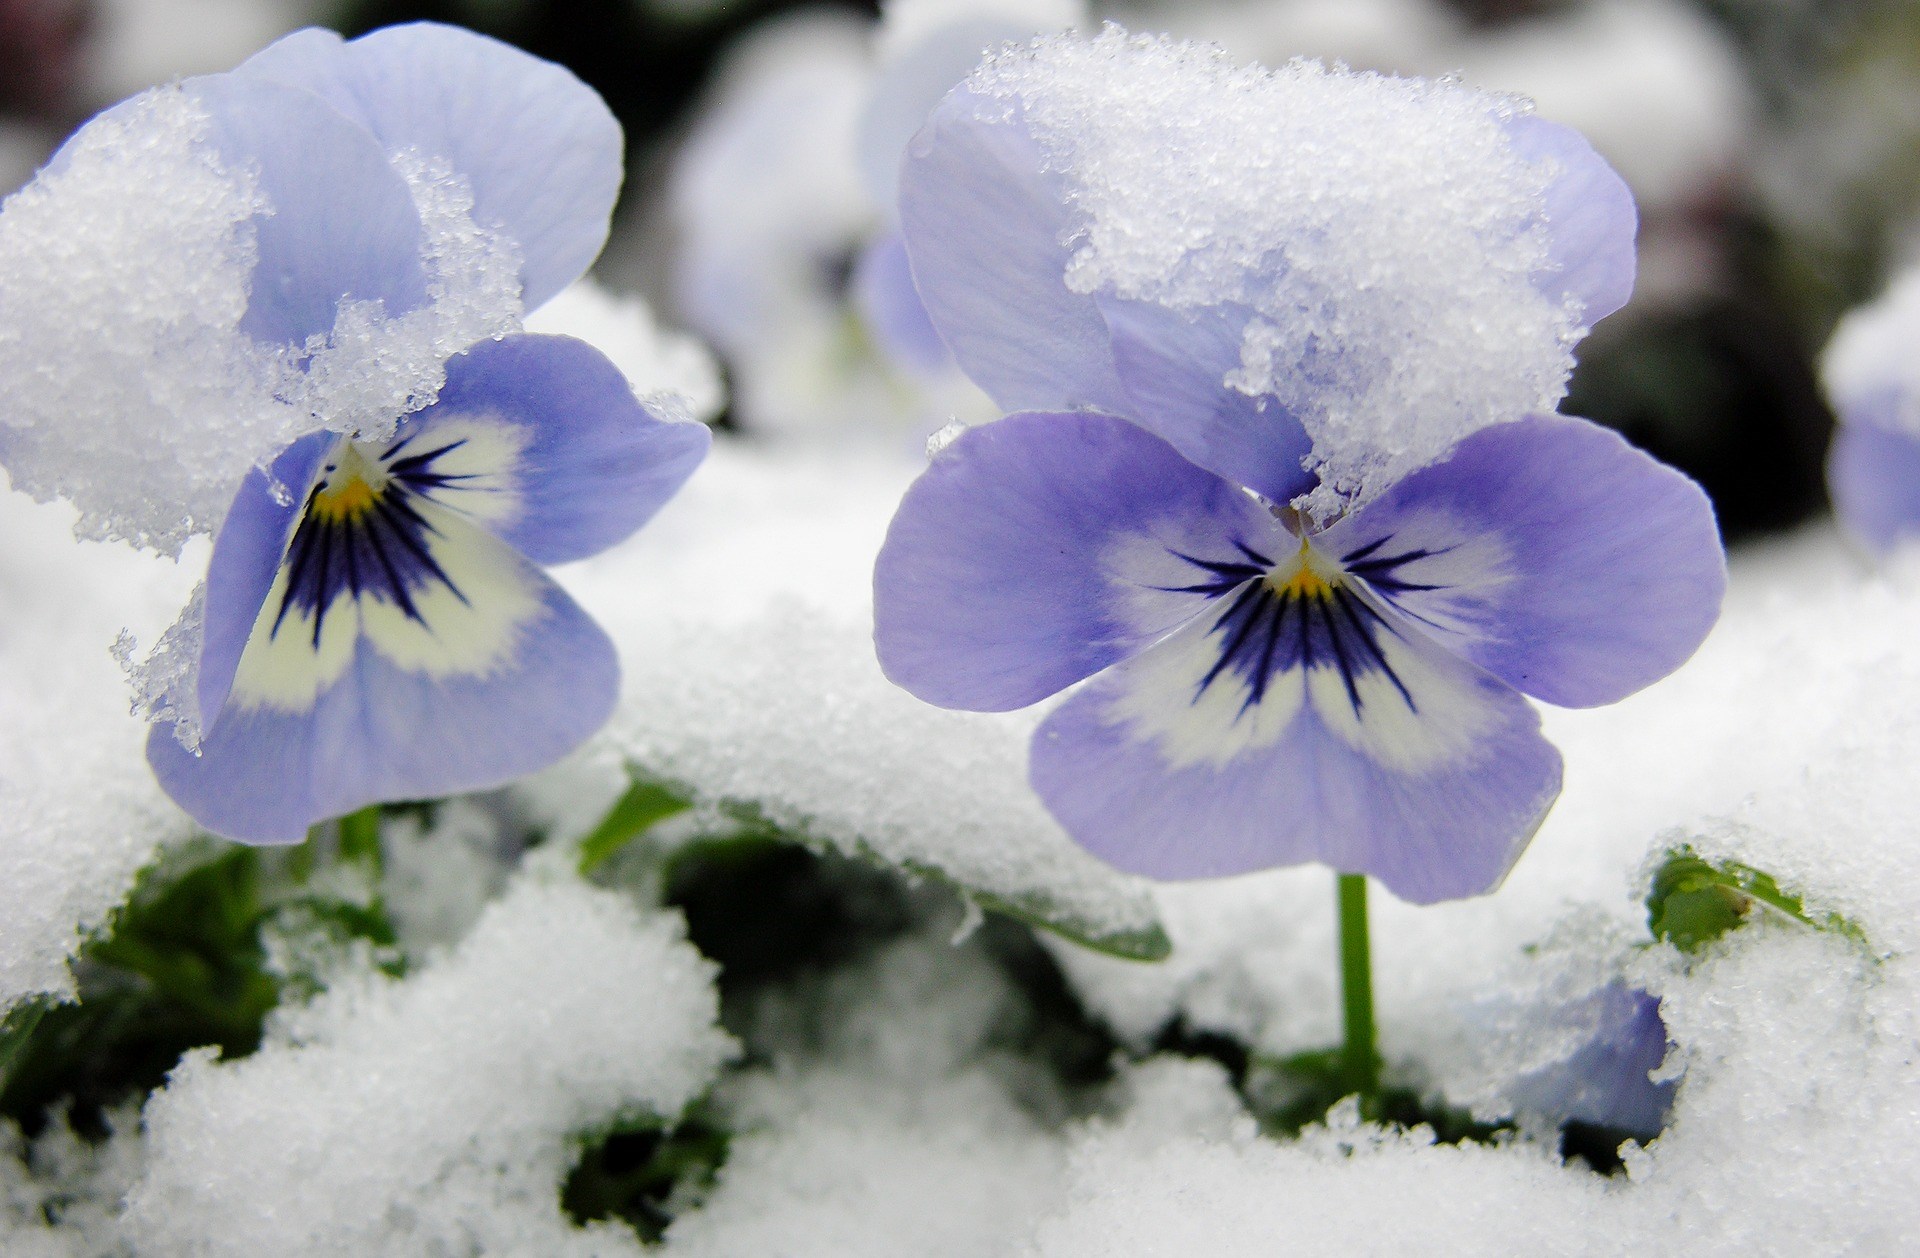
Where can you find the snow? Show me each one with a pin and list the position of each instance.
(448, 1103)
(77, 818)
(123, 278)
(655, 360)
(125, 269)
(888, 1117)
(1389, 218)
(743, 613)
(888, 1104)
(892, 1123)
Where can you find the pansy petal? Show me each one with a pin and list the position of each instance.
(1874, 474)
(367, 703)
(339, 223)
(1606, 1081)
(1591, 218)
(1041, 548)
(246, 557)
(890, 305)
(1549, 552)
(985, 227)
(906, 89)
(539, 148)
(1395, 759)
(541, 439)
(1174, 366)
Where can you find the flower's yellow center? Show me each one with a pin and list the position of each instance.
(352, 486)
(1308, 576)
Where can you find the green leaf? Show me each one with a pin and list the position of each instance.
(644, 1171)
(1693, 901)
(1288, 1094)
(645, 803)
(1035, 908)
(18, 1028)
(182, 965)
(1149, 943)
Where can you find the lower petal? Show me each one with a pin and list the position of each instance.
(389, 725)
(1417, 769)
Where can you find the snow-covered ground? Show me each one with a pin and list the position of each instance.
(444, 1105)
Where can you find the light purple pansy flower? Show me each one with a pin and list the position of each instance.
(376, 622)
(1607, 1081)
(1265, 689)
(1873, 468)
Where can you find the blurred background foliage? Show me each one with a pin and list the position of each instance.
(1809, 199)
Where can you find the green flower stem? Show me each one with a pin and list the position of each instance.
(360, 839)
(1360, 1058)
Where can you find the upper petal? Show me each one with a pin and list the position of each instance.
(1591, 218)
(1549, 552)
(986, 228)
(896, 318)
(576, 463)
(906, 89)
(1275, 731)
(1174, 366)
(338, 223)
(1041, 548)
(540, 149)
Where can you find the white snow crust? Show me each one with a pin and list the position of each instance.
(447, 1100)
(895, 1127)
(125, 269)
(78, 815)
(1382, 232)
(743, 613)
(655, 360)
(446, 1105)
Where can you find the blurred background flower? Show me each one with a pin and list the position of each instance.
(1771, 145)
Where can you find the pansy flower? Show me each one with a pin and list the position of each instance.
(1265, 685)
(375, 622)
(1618, 1041)
(1873, 468)
(790, 261)
(386, 632)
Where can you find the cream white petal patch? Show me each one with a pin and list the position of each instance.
(1448, 586)
(1172, 694)
(1302, 634)
(468, 462)
(292, 654)
(1422, 709)
(1160, 575)
(470, 623)
(379, 561)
